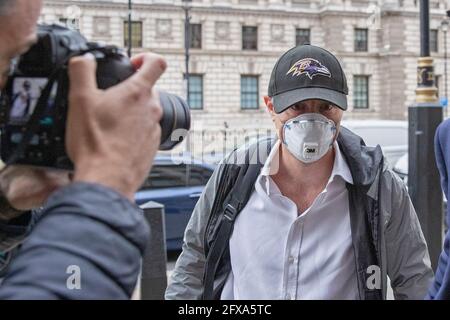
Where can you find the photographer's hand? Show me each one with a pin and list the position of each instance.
(113, 135)
(26, 187)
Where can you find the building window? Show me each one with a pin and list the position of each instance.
(301, 3)
(136, 34)
(249, 38)
(434, 46)
(249, 92)
(196, 91)
(302, 36)
(361, 92)
(361, 36)
(434, 4)
(195, 39)
(73, 24)
(253, 2)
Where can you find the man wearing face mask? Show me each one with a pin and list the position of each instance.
(319, 216)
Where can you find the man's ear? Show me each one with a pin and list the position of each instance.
(269, 104)
(338, 130)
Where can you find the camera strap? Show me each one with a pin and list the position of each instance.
(33, 123)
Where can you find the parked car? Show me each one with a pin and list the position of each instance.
(401, 168)
(177, 183)
(392, 136)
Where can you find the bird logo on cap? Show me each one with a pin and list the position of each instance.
(310, 67)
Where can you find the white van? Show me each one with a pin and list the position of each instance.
(391, 135)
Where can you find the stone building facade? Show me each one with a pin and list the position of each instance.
(377, 42)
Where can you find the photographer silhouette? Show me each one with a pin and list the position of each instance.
(89, 219)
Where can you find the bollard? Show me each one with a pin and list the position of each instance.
(153, 280)
(423, 177)
(424, 117)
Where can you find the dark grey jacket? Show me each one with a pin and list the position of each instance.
(385, 231)
(85, 232)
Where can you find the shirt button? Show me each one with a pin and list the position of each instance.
(291, 259)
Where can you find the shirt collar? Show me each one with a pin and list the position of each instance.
(270, 167)
(340, 167)
(272, 162)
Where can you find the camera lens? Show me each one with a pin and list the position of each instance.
(175, 122)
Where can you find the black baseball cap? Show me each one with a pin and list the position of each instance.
(307, 72)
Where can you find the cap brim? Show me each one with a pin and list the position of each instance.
(284, 100)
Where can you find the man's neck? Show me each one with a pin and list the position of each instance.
(313, 175)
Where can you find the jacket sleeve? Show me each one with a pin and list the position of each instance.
(186, 281)
(87, 244)
(12, 234)
(408, 261)
(14, 231)
(440, 289)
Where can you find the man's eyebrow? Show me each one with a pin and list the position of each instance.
(325, 103)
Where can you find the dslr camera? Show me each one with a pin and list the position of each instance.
(34, 103)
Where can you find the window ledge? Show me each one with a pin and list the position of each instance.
(251, 110)
(363, 110)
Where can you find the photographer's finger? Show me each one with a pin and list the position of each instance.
(155, 105)
(82, 72)
(137, 60)
(152, 66)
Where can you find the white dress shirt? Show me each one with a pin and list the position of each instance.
(276, 253)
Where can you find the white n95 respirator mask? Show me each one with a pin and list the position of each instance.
(309, 136)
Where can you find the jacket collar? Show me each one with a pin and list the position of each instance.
(364, 162)
(340, 166)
